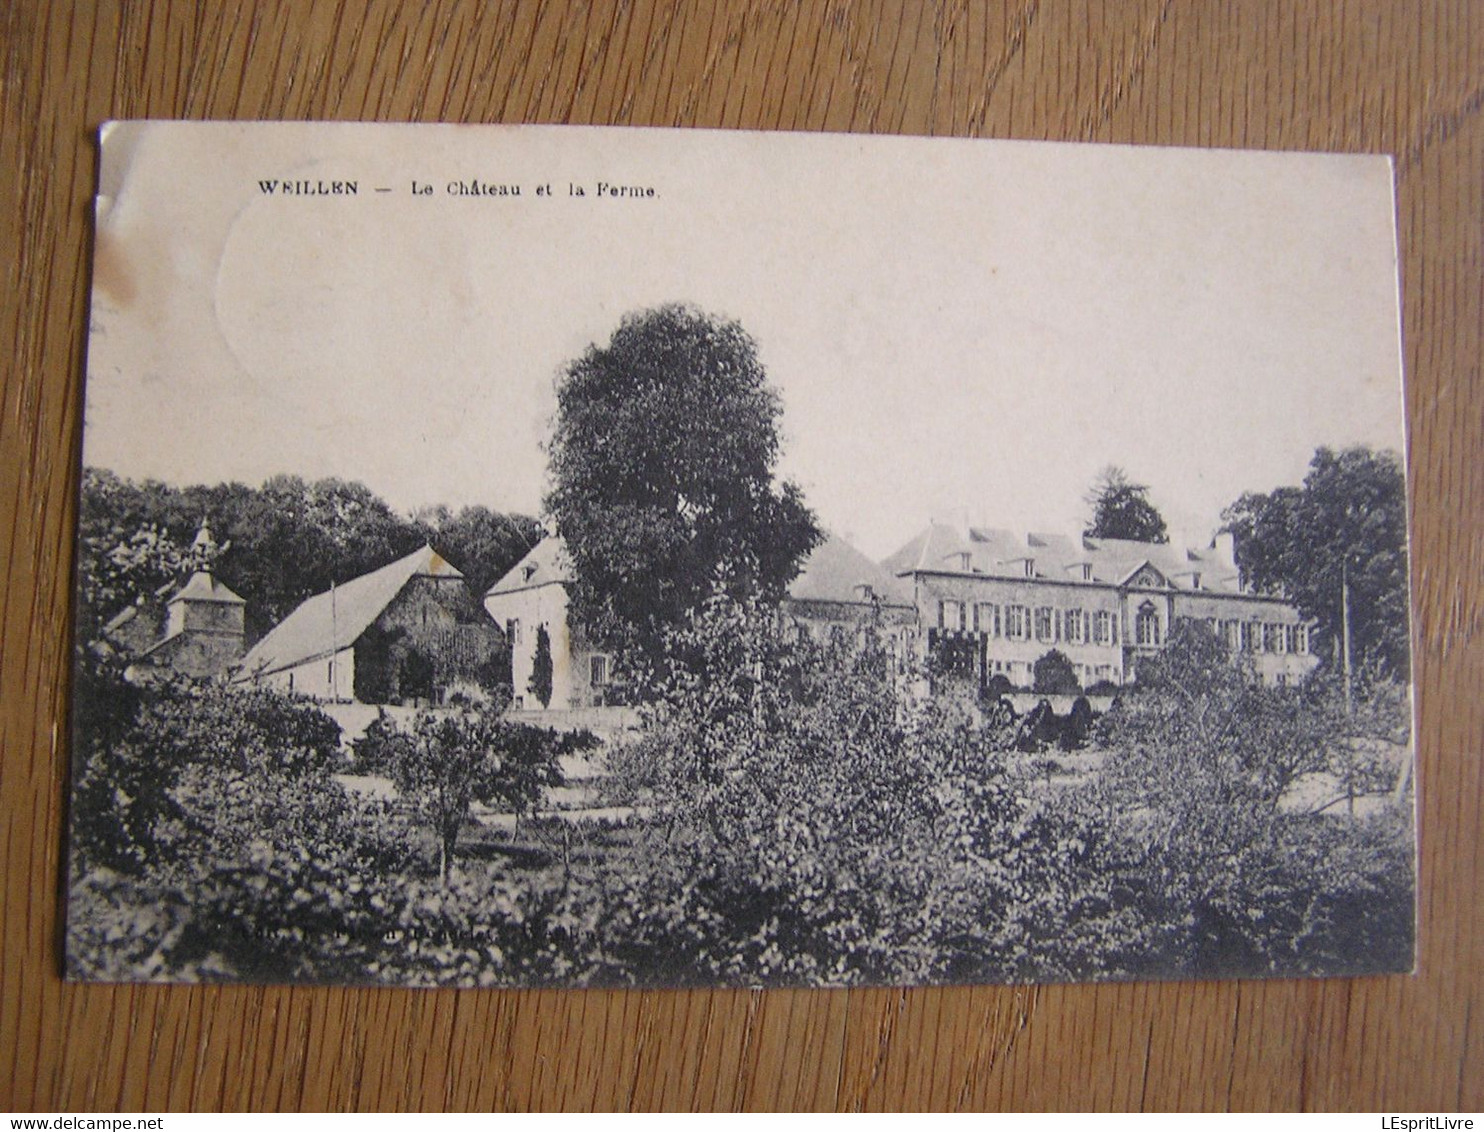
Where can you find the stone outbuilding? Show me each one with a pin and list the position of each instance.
(530, 603)
(198, 632)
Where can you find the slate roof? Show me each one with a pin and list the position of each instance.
(329, 622)
(546, 562)
(835, 569)
(202, 586)
(997, 552)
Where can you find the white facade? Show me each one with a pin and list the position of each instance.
(330, 677)
(521, 613)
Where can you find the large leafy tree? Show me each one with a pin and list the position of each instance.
(1344, 528)
(662, 476)
(1121, 509)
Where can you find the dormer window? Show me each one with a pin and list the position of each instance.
(865, 592)
(1030, 567)
(1195, 580)
(963, 560)
(1087, 571)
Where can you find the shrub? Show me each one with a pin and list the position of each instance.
(125, 802)
(1053, 674)
(1200, 756)
(1077, 726)
(450, 760)
(809, 824)
(541, 674)
(379, 747)
(997, 686)
(211, 841)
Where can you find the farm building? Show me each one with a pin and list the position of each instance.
(531, 601)
(197, 629)
(407, 633)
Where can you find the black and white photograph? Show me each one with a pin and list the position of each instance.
(590, 557)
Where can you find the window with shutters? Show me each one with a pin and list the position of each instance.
(1102, 628)
(1017, 622)
(1074, 626)
(1045, 623)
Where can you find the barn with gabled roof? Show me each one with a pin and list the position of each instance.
(407, 633)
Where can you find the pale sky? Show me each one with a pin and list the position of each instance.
(958, 329)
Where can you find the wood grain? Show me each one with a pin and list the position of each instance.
(1332, 74)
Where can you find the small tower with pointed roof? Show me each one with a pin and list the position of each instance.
(205, 627)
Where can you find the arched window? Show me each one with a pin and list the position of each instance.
(1146, 625)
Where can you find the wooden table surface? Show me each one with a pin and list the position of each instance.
(1349, 75)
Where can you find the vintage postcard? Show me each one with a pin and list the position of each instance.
(517, 556)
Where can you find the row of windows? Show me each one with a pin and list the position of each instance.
(1077, 627)
(1023, 623)
(1260, 636)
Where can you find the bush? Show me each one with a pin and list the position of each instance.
(541, 673)
(997, 687)
(1053, 674)
(809, 825)
(379, 747)
(125, 802)
(1077, 726)
(210, 841)
(1200, 756)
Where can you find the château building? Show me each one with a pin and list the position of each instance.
(992, 602)
(983, 602)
